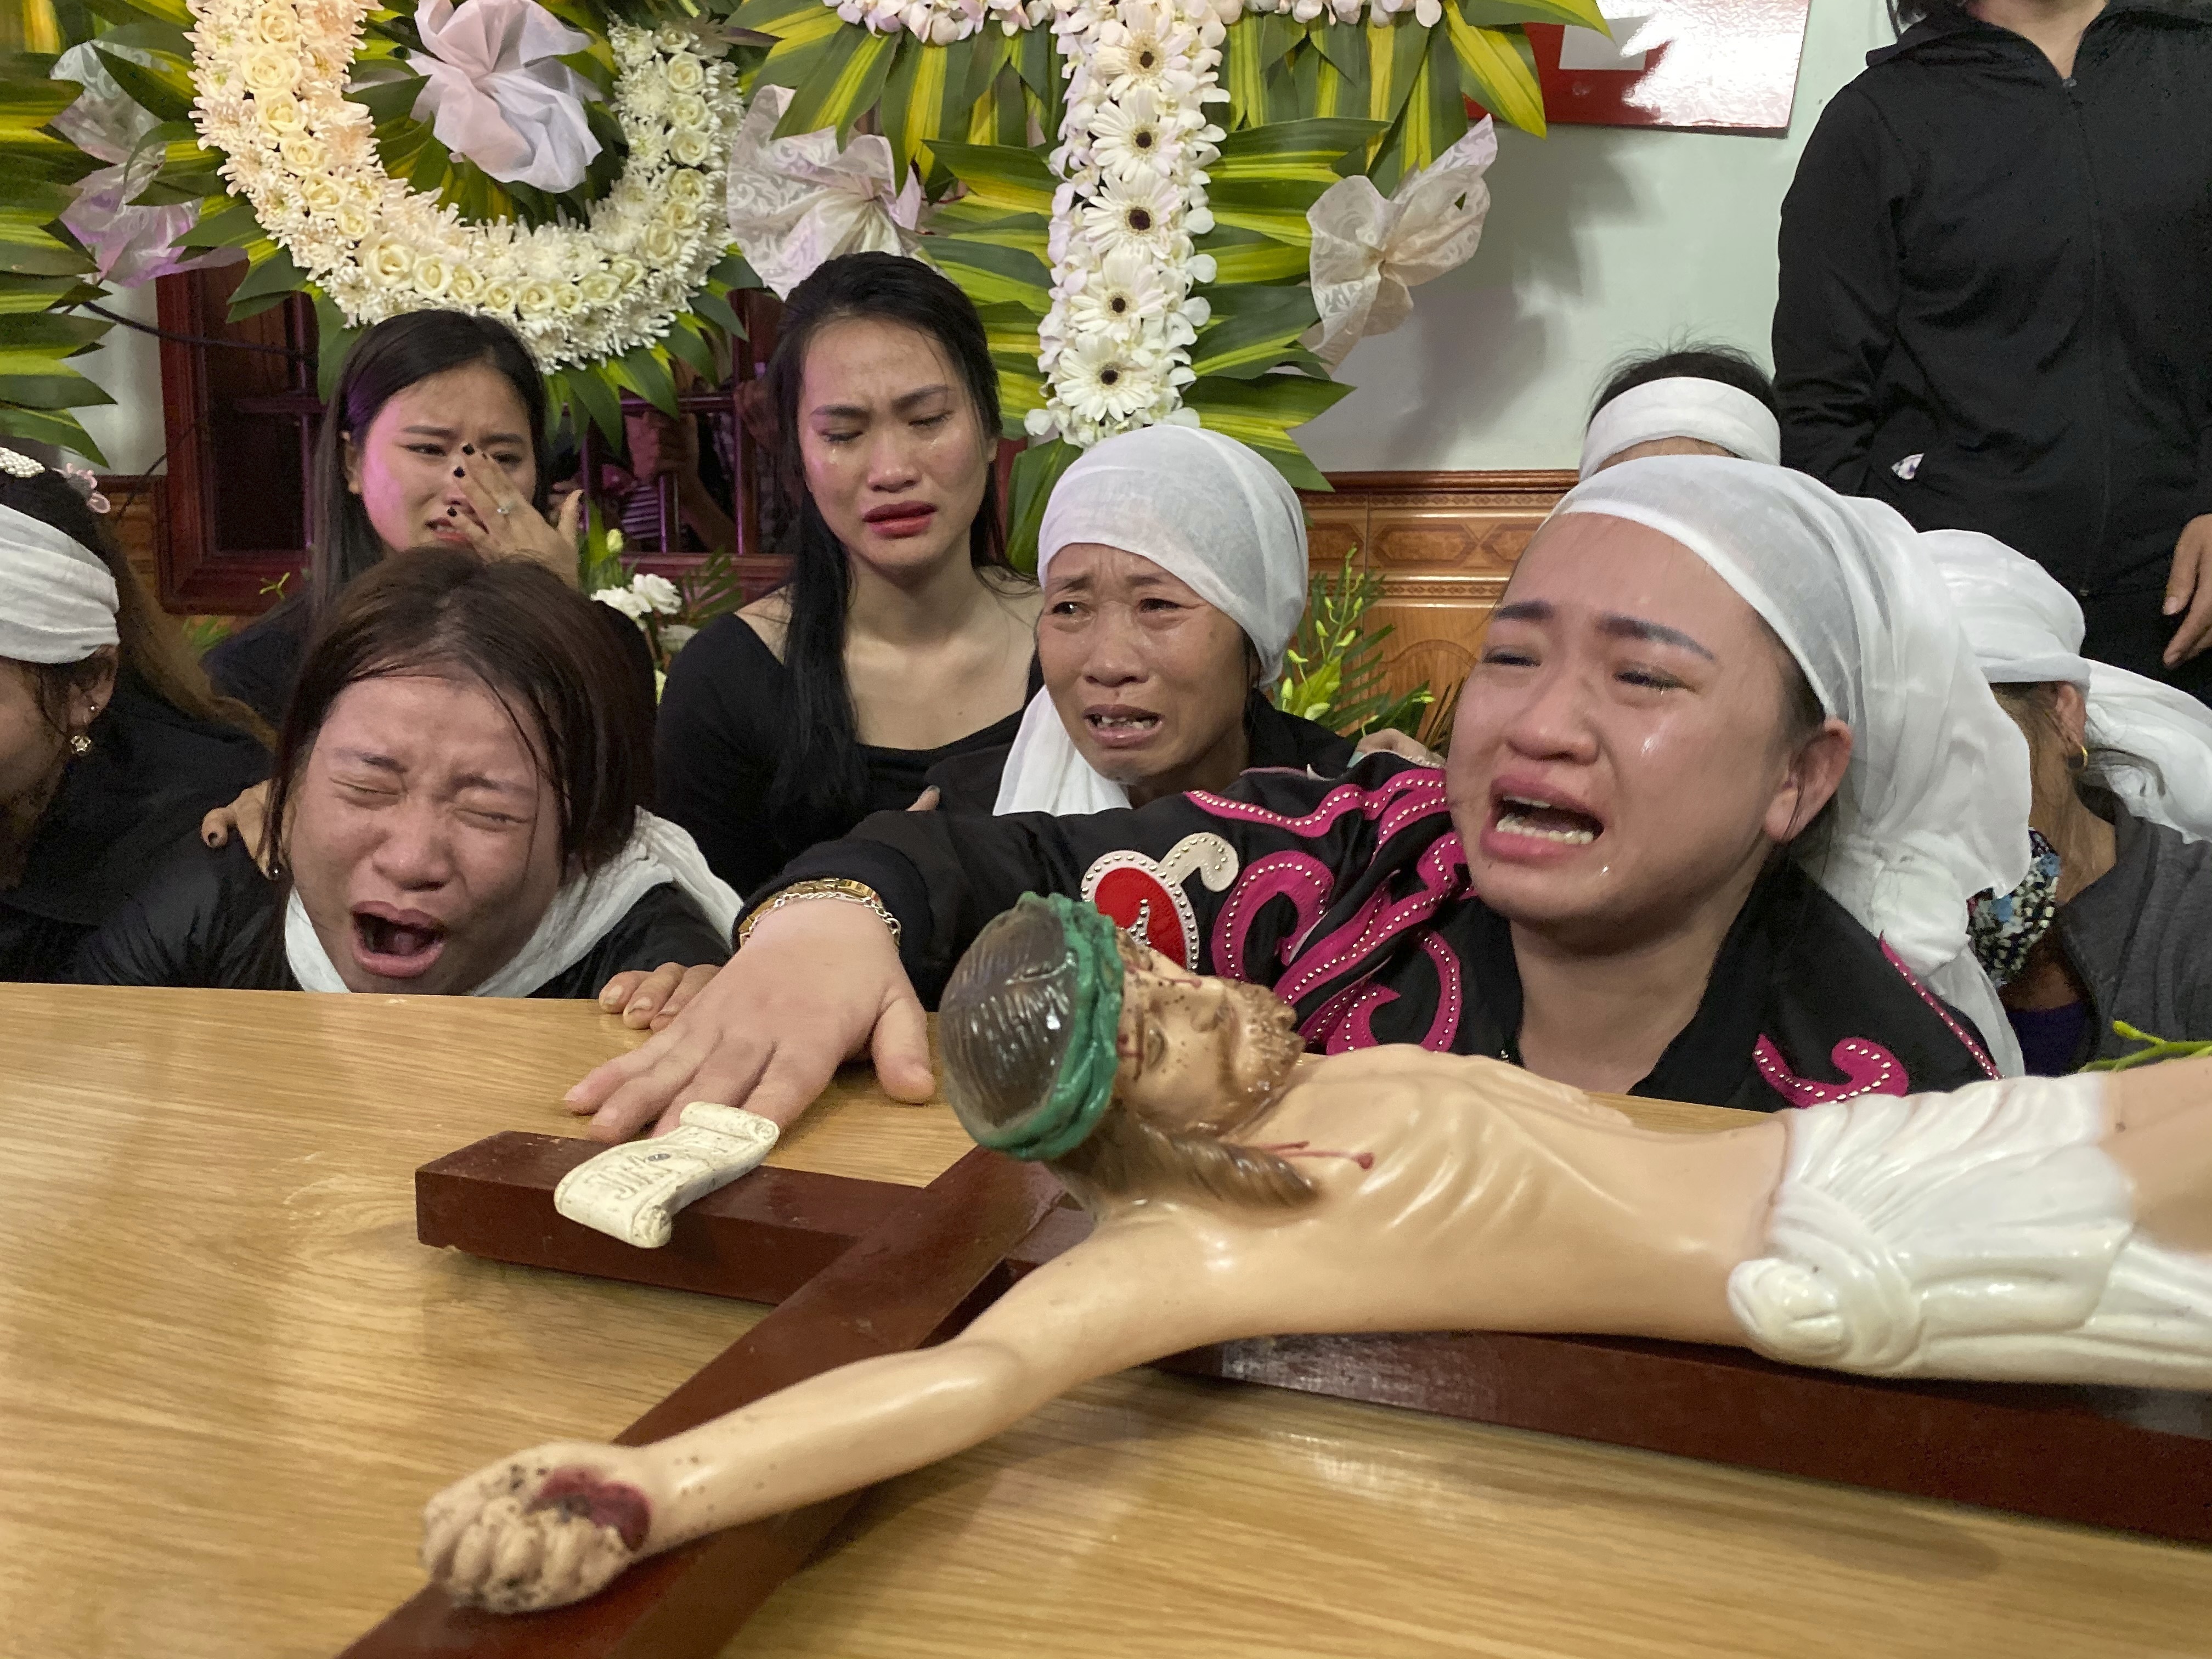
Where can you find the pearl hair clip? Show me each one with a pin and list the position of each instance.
(17, 464)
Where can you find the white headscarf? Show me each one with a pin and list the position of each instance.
(1933, 808)
(1209, 512)
(582, 912)
(1683, 406)
(2026, 629)
(57, 599)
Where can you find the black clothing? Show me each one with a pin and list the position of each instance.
(260, 663)
(2137, 937)
(2006, 274)
(1349, 898)
(152, 774)
(209, 917)
(724, 719)
(969, 782)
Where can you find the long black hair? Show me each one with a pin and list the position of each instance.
(1694, 359)
(821, 776)
(383, 362)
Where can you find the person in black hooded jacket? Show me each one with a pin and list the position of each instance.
(1994, 265)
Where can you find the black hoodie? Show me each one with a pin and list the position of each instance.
(2008, 276)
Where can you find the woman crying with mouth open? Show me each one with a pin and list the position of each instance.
(457, 810)
(1720, 788)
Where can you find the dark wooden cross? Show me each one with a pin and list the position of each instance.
(858, 1268)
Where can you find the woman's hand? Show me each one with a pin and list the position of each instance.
(2189, 589)
(654, 999)
(248, 817)
(502, 524)
(818, 982)
(1390, 742)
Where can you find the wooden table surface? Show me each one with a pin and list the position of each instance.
(229, 1377)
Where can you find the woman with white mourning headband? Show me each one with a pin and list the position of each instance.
(1694, 400)
(111, 745)
(2112, 921)
(456, 809)
(1173, 562)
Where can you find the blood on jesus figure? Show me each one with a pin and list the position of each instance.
(2025, 1230)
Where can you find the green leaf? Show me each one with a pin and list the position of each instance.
(29, 297)
(389, 100)
(60, 335)
(1307, 150)
(152, 34)
(1001, 176)
(1273, 207)
(28, 249)
(50, 426)
(601, 403)
(1246, 255)
(1395, 51)
(231, 225)
(1434, 118)
(1504, 14)
(270, 277)
(971, 220)
(991, 275)
(647, 375)
(1251, 328)
(166, 95)
(57, 388)
(717, 310)
(683, 341)
(1036, 469)
(1256, 42)
(1260, 413)
(842, 88)
(1495, 74)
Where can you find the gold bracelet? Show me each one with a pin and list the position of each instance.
(832, 887)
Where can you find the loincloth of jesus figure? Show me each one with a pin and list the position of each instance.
(2024, 1229)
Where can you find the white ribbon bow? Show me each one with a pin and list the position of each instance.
(797, 202)
(1368, 253)
(496, 95)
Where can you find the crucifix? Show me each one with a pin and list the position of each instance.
(1339, 1195)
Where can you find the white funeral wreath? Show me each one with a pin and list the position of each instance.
(272, 77)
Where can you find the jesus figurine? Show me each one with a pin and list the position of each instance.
(2026, 1230)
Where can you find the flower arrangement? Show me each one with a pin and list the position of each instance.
(271, 77)
(1134, 147)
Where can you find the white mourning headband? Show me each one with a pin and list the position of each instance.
(1683, 406)
(57, 597)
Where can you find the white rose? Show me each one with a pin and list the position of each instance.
(687, 112)
(321, 195)
(433, 277)
(306, 154)
(389, 263)
(673, 39)
(496, 297)
(279, 113)
(272, 69)
(681, 215)
(661, 243)
(599, 286)
(685, 186)
(658, 594)
(352, 221)
(684, 73)
(535, 301)
(462, 286)
(277, 25)
(567, 296)
(691, 150)
(625, 271)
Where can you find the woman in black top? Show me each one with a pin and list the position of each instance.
(111, 744)
(435, 435)
(904, 638)
(1994, 260)
(457, 808)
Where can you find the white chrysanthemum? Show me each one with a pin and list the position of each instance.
(1132, 136)
(1125, 290)
(1141, 214)
(1103, 380)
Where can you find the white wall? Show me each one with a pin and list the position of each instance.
(1601, 241)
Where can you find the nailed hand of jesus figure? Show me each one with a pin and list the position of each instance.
(1241, 1188)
